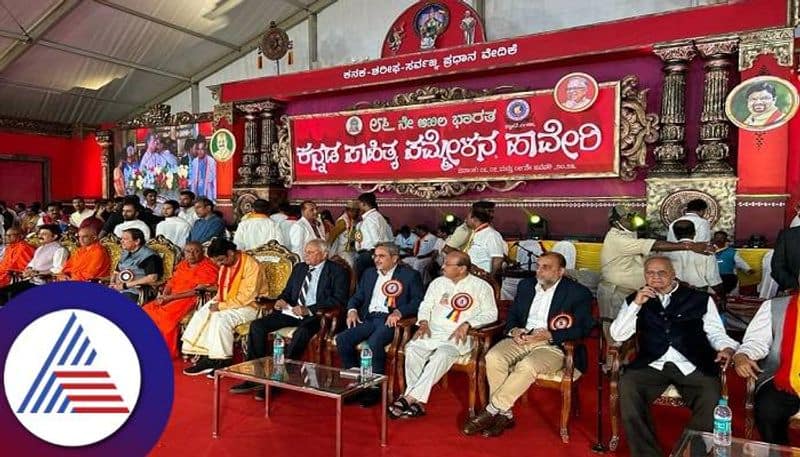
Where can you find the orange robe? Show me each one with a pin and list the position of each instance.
(88, 262)
(167, 317)
(16, 258)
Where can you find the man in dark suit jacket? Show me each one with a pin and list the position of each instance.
(547, 312)
(315, 285)
(786, 259)
(385, 294)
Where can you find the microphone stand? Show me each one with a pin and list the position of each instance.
(531, 254)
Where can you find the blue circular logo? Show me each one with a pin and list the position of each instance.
(518, 110)
(85, 372)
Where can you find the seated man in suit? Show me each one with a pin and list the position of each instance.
(210, 331)
(547, 311)
(315, 285)
(454, 303)
(772, 331)
(786, 260)
(89, 261)
(180, 293)
(139, 265)
(681, 342)
(386, 293)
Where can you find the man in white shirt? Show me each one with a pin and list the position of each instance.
(342, 237)
(48, 260)
(130, 214)
(761, 358)
(186, 202)
(697, 270)
(173, 227)
(306, 228)
(695, 210)
(81, 212)
(547, 312)
(423, 252)
(151, 202)
(258, 229)
(485, 246)
(681, 342)
(372, 229)
(405, 240)
(283, 213)
(454, 303)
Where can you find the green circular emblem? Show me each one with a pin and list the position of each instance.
(222, 145)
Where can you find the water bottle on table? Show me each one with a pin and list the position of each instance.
(722, 423)
(366, 363)
(277, 350)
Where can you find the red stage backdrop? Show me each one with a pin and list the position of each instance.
(513, 136)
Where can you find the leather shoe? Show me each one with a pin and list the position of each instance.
(501, 424)
(478, 423)
(369, 398)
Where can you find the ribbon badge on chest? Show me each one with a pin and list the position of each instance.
(392, 289)
(561, 321)
(358, 236)
(460, 303)
(126, 275)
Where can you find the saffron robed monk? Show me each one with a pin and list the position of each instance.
(386, 293)
(18, 253)
(180, 293)
(682, 342)
(90, 261)
(210, 331)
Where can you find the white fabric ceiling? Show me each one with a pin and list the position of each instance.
(92, 61)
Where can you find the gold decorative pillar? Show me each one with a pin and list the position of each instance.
(670, 154)
(267, 171)
(713, 151)
(104, 140)
(250, 153)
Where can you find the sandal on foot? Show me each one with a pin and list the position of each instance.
(398, 408)
(414, 410)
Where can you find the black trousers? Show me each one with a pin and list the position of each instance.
(773, 410)
(639, 387)
(12, 290)
(729, 282)
(260, 328)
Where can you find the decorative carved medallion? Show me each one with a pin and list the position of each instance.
(440, 189)
(778, 42)
(275, 42)
(36, 127)
(223, 112)
(667, 198)
(674, 206)
(637, 128)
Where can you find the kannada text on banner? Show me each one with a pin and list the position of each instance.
(513, 136)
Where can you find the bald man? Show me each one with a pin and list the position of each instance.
(179, 295)
(89, 261)
(18, 254)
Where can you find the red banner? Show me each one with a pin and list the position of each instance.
(514, 136)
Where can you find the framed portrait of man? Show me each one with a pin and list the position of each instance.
(762, 103)
(575, 92)
(223, 145)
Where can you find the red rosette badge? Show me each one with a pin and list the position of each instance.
(561, 321)
(460, 303)
(392, 289)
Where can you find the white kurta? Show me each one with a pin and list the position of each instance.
(373, 229)
(425, 246)
(485, 245)
(134, 224)
(76, 218)
(188, 214)
(301, 233)
(175, 229)
(211, 333)
(256, 231)
(702, 228)
(428, 359)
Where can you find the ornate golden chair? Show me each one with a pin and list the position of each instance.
(620, 354)
(329, 320)
(471, 364)
(33, 239)
(111, 243)
(70, 242)
(170, 257)
(276, 262)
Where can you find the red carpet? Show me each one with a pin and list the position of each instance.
(304, 424)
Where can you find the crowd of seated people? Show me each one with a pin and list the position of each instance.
(668, 294)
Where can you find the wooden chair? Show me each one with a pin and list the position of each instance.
(622, 353)
(749, 411)
(472, 364)
(329, 320)
(276, 262)
(170, 257)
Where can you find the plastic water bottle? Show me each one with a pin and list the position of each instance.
(722, 423)
(277, 350)
(366, 363)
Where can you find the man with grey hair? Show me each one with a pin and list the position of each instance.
(315, 285)
(386, 293)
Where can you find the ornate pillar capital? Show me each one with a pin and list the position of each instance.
(223, 112)
(717, 46)
(680, 51)
(778, 42)
(214, 89)
(104, 139)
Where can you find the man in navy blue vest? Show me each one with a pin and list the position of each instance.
(386, 293)
(681, 342)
